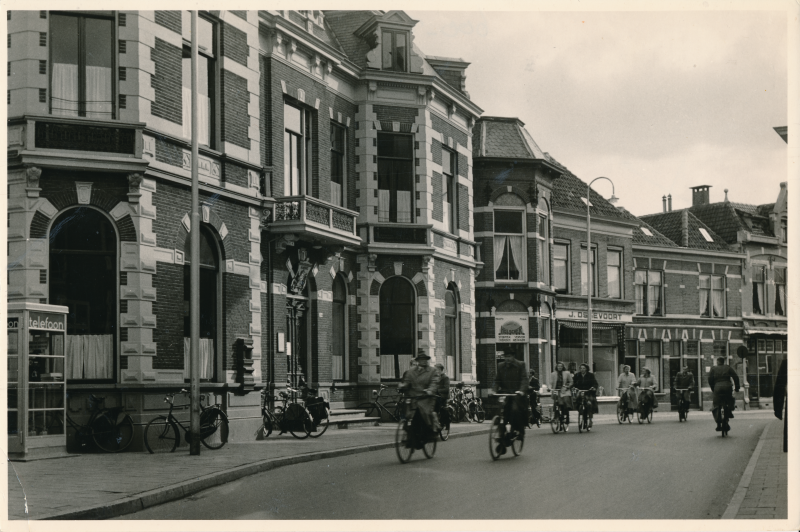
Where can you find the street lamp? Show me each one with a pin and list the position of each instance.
(590, 264)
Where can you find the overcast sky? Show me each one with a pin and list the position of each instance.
(656, 101)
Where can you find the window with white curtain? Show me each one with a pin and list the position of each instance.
(81, 55)
(339, 346)
(585, 272)
(712, 296)
(296, 151)
(509, 245)
(561, 267)
(759, 301)
(395, 177)
(205, 79)
(780, 291)
(614, 273)
(209, 307)
(451, 330)
(648, 288)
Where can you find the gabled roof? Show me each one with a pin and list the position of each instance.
(655, 238)
(568, 191)
(506, 138)
(727, 218)
(344, 24)
(670, 224)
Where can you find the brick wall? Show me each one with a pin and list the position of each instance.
(463, 164)
(463, 207)
(168, 309)
(236, 315)
(235, 174)
(241, 14)
(447, 129)
(235, 117)
(387, 113)
(438, 195)
(234, 43)
(265, 110)
(436, 151)
(167, 81)
(170, 20)
(169, 153)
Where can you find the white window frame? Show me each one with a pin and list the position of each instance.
(622, 274)
(523, 270)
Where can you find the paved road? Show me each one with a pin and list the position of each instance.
(667, 470)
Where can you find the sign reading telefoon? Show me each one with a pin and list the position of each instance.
(47, 322)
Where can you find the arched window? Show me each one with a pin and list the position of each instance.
(397, 334)
(509, 238)
(451, 328)
(209, 306)
(339, 347)
(83, 277)
(542, 243)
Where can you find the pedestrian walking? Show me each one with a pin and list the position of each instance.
(781, 403)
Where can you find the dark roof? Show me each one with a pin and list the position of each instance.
(344, 24)
(568, 191)
(670, 224)
(727, 218)
(504, 137)
(639, 236)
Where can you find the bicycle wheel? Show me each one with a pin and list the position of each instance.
(161, 436)
(494, 437)
(581, 419)
(394, 409)
(516, 446)
(213, 428)
(322, 426)
(268, 423)
(554, 420)
(480, 414)
(444, 433)
(370, 410)
(402, 445)
(639, 416)
(429, 449)
(298, 421)
(686, 415)
(112, 433)
(620, 414)
(461, 413)
(650, 416)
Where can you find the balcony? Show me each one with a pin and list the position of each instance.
(313, 219)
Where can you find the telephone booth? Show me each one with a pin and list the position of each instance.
(36, 381)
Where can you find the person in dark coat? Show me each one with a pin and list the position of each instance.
(719, 380)
(443, 388)
(421, 382)
(684, 380)
(585, 381)
(533, 396)
(779, 399)
(513, 379)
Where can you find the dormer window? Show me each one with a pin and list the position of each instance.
(395, 50)
(705, 234)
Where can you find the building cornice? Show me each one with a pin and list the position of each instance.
(691, 251)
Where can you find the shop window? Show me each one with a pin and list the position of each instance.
(209, 307)
(339, 312)
(451, 329)
(337, 164)
(449, 163)
(759, 274)
(206, 68)
(83, 277)
(585, 272)
(648, 287)
(614, 273)
(780, 291)
(395, 177)
(81, 52)
(712, 296)
(395, 50)
(296, 151)
(561, 267)
(509, 245)
(398, 334)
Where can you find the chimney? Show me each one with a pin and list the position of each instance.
(663, 204)
(669, 203)
(685, 228)
(726, 195)
(700, 195)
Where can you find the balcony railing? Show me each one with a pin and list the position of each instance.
(304, 214)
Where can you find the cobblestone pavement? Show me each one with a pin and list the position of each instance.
(767, 493)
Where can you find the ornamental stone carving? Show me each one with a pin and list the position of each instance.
(33, 173)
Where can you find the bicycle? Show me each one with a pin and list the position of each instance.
(683, 404)
(413, 433)
(534, 411)
(724, 416)
(445, 417)
(475, 409)
(557, 418)
(320, 412)
(645, 410)
(623, 412)
(161, 433)
(459, 402)
(584, 408)
(110, 429)
(375, 408)
(291, 417)
(502, 435)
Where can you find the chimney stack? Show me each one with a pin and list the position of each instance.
(726, 195)
(685, 228)
(669, 203)
(700, 195)
(664, 203)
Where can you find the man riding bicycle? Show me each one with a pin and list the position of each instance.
(420, 383)
(585, 381)
(512, 379)
(719, 380)
(533, 396)
(684, 380)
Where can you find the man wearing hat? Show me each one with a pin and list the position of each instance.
(513, 379)
(421, 383)
(684, 380)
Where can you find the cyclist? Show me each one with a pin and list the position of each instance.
(421, 382)
(585, 381)
(561, 381)
(719, 380)
(511, 378)
(533, 396)
(647, 384)
(443, 388)
(684, 380)
(627, 382)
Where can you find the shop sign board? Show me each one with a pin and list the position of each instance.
(46, 321)
(605, 316)
(511, 328)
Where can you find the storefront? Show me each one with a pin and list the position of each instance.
(766, 350)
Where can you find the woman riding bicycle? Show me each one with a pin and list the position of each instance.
(647, 385)
(585, 381)
(627, 384)
(561, 381)
(719, 380)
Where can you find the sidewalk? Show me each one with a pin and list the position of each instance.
(767, 496)
(97, 486)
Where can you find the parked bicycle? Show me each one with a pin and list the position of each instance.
(584, 408)
(288, 417)
(459, 403)
(413, 433)
(683, 403)
(162, 436)
(109, 429)
(501, 434)
(475, 409)
(320, 412)
(375, 408)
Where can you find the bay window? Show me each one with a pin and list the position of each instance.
(205, 79)
(81, 55)
(509, 245)
(395, 177)
(648, 292)
(712, 296)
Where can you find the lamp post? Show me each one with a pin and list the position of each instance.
(590, 265)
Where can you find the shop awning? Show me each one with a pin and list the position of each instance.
(765, 330)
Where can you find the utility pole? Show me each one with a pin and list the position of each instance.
(194, 268)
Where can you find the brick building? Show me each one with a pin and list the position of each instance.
(335, 171)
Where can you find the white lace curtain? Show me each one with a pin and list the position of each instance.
(337, 367)
(639, 282)
(383, 207)
(90, 356)
(203, 106)
(336, 193)
(517, 245)
(387, 367)
(781, 293)
(759, 288)
(403, 205)
(206, 358)
(66, 96)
